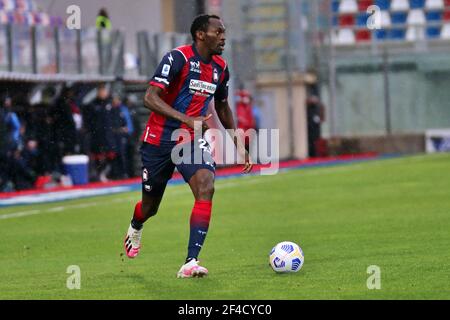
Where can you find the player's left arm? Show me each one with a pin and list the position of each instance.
(226, 118)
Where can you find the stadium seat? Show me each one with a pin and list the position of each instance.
(434, 4)
(363, 35)
(398, 17)
(434, 16)
(433, 32)
(416, 17)
(446, 15)
(380, 34)
(396, 34)
(445, 32)
(348, 6)
(399, 5)
(417, 4)
(415, 33)
(346, 20)
(385, 19)
(364, 4)
(361, 19)
(335, 6)
(383, 4)
(346, 36)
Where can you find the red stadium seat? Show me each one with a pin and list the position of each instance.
(446, 16)
(364, 4)
(363, 35)
(347, 20)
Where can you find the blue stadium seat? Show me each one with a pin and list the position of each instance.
(361, 19)
(434, 16)
(380, 34)
(383, 4)
(417, 4)
(433, 32)
(335, 6)
(397, 34)
(398, 17)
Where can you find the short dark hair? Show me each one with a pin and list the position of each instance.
(201, 23)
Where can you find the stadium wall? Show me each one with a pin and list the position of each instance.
(417, 91)
(379, 144)
(273, 92)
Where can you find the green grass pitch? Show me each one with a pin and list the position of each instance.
(394, 214)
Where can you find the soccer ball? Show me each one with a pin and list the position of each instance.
(286, 256)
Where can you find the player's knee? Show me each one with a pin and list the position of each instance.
(206, 189)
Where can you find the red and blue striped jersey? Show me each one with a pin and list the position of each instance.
(189, 84)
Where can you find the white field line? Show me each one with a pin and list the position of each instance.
(220, 185)
(119, 200)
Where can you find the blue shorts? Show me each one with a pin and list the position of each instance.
(159, 163)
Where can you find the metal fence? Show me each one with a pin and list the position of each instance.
(57, 50)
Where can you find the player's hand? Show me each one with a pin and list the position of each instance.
(248, 166)
(199, 123)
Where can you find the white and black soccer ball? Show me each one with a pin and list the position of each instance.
(286, 256)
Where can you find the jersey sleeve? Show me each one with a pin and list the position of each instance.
(222, 91)
(169, 67)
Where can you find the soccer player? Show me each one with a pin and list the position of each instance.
(179, 93)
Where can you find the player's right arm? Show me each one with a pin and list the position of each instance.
(167, 71)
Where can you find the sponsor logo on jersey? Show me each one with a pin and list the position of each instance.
(202, 88)
(195, 66)
(165, 70)
(162, 80)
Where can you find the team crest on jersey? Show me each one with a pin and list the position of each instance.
(195, 66)
(215, 75)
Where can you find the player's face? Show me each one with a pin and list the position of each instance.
(215, 36)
